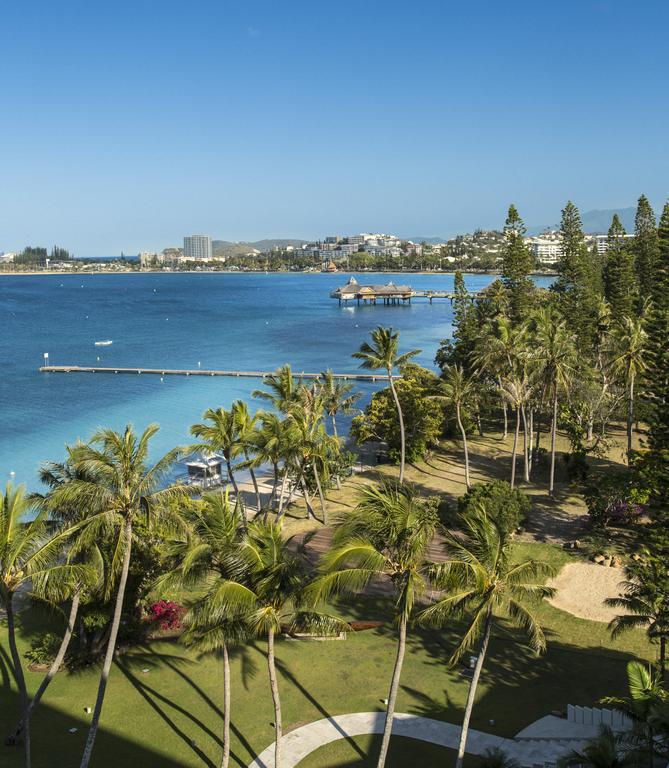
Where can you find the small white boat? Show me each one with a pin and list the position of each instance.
(104, 343)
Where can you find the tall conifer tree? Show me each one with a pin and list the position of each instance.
(619, 275)
(517, 263)
(645, 247)
(657, 375)
(576, 283)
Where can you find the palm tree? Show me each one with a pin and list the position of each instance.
(515, 391)
(645, 603)
(602, 751)
(458, 388)
(556, 354)
(203, 555)
(115, 480)
(386, 536)
(270, 589)
(219, 436)
(483, 582)
(283, 389)
(29, 555)
(246, 427)
(628, 361)
(382, 353)
(271, 448)
(337, 397)
(54, 475)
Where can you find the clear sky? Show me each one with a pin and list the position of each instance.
(125, 125)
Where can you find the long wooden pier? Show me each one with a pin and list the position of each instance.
(203, 372)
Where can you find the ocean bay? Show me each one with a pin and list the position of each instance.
(181, 320)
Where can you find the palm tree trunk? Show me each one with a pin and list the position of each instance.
(282, 493)
(307, 498)
(392, 695)
(111, 645)
(630, 417)
(321, 495)
(55, 666)
(551, 483)
(663, 657)
(255, 483)
(526, 456)
(334, 427)
(472, 692)
(464, 443)
(20, 677)
(275, 698)
(225, 759)
(400, 418)
(506, 421)
(232, 477)
(515, 448)
(530, 432)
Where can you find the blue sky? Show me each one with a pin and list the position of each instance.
(124, 126)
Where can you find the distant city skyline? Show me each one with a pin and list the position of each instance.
(301, 119)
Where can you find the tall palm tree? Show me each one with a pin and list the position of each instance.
(516, 392)
(645, 602)
(338, 397)
(282, 389)
(483, 582)
(628, 361)
(458, 388)
(386, 536)
(556, 354)
(73, 551)
(29, 556)
(382, 353)
(271, 448)
(270, 589)
(116, 480)
(246, 427)
(603, 751)
(220, 436)
(203, 555)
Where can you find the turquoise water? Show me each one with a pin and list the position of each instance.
(239, 321)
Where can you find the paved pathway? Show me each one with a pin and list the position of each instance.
(302, 741)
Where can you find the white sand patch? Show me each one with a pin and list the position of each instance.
(583, 587)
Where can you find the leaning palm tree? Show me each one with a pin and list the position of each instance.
(385, 537)
(203, 554)
(219, 434)
(556, 355)
(628, 361)
(246, 427)
(75, 551)
(645, 604)
(338, 397)
(603, 751)
(458, 388)
(30, 556)
(115, 480)
(483, 582)
(382, 353)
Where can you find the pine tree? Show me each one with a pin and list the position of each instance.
(619, 275)
(577, 280)
(645, 247)
(517, 263)
(656, 390)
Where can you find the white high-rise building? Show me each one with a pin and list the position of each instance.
(197, 247)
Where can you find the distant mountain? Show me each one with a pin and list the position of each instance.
(227, 248)
(596, 222)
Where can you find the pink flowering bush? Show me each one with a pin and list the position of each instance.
(166, 614)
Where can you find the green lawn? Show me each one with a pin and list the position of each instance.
(170, 715)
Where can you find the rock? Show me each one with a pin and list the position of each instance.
(615, 562)
(636, 557)
(607, 562)
(599, 559)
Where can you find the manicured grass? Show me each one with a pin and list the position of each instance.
(362, 752)
(171, 716)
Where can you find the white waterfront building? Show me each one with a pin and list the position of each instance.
(197, 247)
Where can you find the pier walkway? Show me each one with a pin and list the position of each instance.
(204, 372)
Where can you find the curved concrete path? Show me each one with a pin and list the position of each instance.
(302, 741)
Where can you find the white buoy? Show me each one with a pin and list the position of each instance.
(12, 473)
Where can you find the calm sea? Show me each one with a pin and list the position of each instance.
(237, 321)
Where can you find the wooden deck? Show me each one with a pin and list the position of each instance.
(203, 372)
